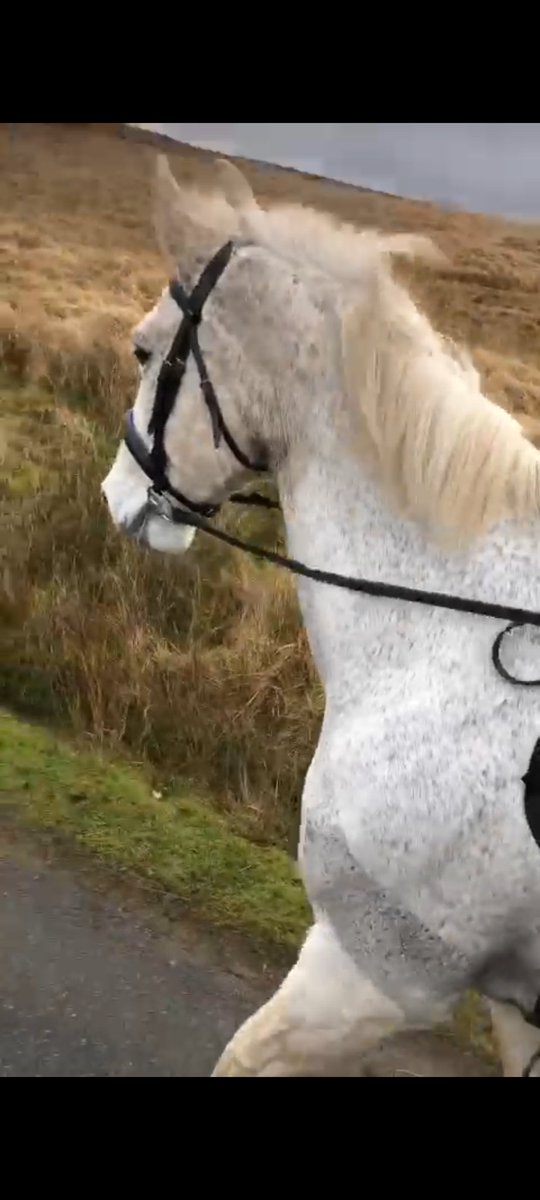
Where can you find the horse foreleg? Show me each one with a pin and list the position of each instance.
(325, 1009)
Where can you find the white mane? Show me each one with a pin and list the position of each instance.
(451, 456)
(342, 252)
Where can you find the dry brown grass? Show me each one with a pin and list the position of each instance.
(201, 666)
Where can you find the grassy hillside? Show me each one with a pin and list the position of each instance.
(200, 667)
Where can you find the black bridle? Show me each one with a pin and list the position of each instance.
(166, 502)
(154, 462)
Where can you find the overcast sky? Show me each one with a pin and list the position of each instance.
(486, 167)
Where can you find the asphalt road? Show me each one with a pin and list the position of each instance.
(95, 981)
(90, 987)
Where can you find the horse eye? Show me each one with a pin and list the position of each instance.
(141, 354)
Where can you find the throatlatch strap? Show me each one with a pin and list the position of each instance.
(532, 795)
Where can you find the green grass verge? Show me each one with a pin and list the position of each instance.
(178, 843)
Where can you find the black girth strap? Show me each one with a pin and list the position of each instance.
(532, 799)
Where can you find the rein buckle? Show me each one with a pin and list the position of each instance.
(160, 505)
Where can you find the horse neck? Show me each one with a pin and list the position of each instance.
(339, 519)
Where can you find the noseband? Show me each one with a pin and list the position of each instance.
(154, 462)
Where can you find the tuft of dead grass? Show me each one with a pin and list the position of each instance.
(188, 667)
(200, 668)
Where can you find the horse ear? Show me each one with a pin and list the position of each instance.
(188, 221)
(166, 185)
(237, 191)
(167, 208)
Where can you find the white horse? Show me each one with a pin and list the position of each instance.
(415, 848)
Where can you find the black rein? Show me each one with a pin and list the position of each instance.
(391, 591)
